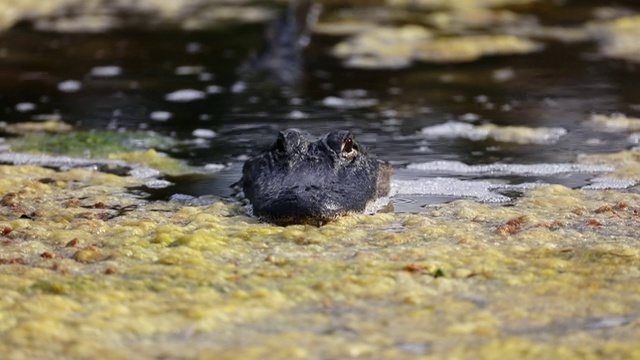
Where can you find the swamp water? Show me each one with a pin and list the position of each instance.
(515, 224)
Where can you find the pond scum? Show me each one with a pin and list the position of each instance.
(87, 270)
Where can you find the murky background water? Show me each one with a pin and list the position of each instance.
(125, 76)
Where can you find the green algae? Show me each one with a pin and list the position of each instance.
(185, 281)
(137, 148)
(535, 280)
(94, 144)
(94, 16)
(388, 47)
(617, 37)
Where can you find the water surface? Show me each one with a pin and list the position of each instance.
(125, 76)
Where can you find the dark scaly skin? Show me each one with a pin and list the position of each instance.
(306, 180)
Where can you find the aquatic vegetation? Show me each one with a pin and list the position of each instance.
(97, 16)
(86, 266)
(618, 37)
(383, 47)
(614, 122)
(470, 48)
(90, 268)
(117, 149)
(95, 144)
(399, 47)
(43, 129)
(457, 4)
(515, 134)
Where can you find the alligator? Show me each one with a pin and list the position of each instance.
(302, 179)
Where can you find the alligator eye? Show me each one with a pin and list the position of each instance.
(348, 145)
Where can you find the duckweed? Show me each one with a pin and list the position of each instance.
(185, 282)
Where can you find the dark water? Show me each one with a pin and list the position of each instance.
(558, 87)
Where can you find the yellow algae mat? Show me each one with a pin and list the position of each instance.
(89, 271)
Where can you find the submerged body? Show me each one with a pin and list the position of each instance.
(306, 180)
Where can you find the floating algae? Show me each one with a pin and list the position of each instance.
(399, 47)
(614, 123)
(87, 267)
(80, 16)
(515, 134)
(618, 37)
(125, 149)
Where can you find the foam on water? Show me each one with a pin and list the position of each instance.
(185, 95)
(70, 86)
(144, 172)
(214, 167)
(25, 106)
(343, 103)
(515, 134)
(62, 162)
(608, 183)
(443, 186)
(160, 115)
(487, 190)
(204, 133)
(106, 71)
(158, 184)
(457, 167)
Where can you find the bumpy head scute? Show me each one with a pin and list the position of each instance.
(302, 179)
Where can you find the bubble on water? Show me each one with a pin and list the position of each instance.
(181, 198)
(214, 167)
(160, 115)
(341, 103)
(214, 89)
(634, 138)
(106, 71)
(449, 187)
(158, 184)
(390, 113)
(607, 183)
(353, 93)
(189, 70)
(205, 76)
(144, 172)
(392, 122)
(482, 98)
(185, 95)
(450, 129)
(204, 133)
(297, 114)
(238, 87)
(456, 167)
(60, 162)
(470, 117)
(193, 47)
(25, 106)
(70, 86)
(505, 74)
